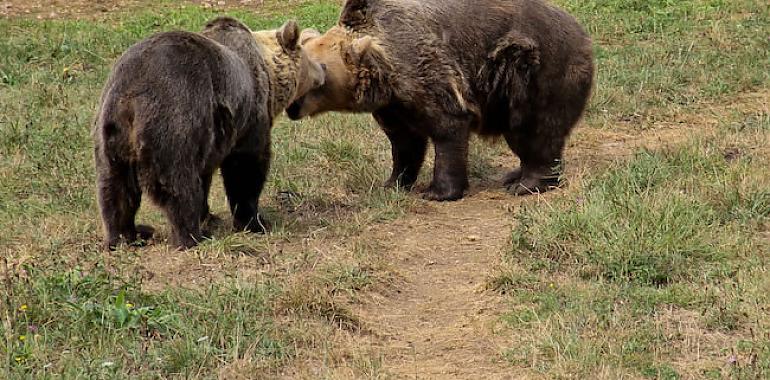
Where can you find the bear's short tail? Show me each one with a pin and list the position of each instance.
(113, 133)
(509, 67)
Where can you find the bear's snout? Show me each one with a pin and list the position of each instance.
(295, 109)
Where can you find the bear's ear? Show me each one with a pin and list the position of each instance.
(371, 69)
(288, 36)
(354, 13)
(358, 49)
(307, 35)
(361, 45)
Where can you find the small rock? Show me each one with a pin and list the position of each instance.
(731, 154)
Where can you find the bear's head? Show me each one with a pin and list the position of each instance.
(292, 74)
(357, 73)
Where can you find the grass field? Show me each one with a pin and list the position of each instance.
(653, 263)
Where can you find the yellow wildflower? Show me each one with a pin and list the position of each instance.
(22, 338)
(129, 305)
(23, 307)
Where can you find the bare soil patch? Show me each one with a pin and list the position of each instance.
(94, 9)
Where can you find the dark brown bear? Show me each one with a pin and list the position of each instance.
(441, 69)
(179, 105)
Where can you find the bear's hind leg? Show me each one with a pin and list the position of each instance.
(183, 210)
(534, 179)
(119, 197)
(244, 176)
(540, 154)
(180, 196)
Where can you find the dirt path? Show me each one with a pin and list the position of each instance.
(441, 322)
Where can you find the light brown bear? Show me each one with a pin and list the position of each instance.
(439, 70)
(179, 105)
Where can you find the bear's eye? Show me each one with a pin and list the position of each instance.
(323, 67)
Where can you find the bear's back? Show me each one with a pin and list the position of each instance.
(462, 34)
(172, 74)
(471, 28)
(174, 62)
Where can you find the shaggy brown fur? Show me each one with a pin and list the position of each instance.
(441, 69)
(179, 105)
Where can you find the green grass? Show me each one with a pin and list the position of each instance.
(625, 275)
(595, 276)
(661, 219)
(89, 323)
(657, 58)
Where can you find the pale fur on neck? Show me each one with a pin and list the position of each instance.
(282, 70)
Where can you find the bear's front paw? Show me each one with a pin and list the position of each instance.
(136, 238)
(442, 194)
(185, 242)
(513, 177)
(212, 222)
(144, 233)
(391, 183)
(111, 244)
(257, 225)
